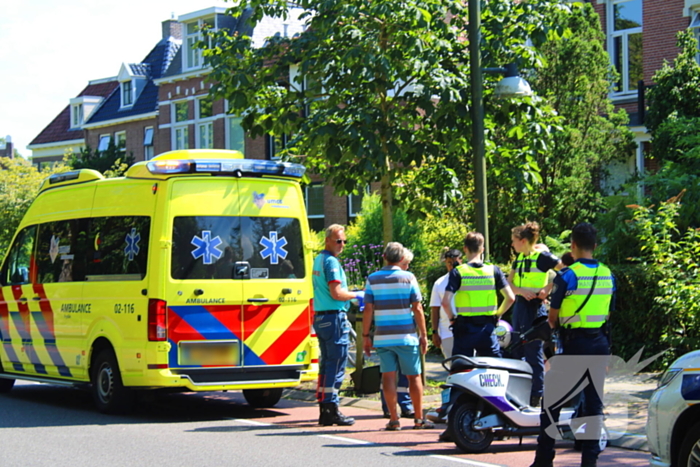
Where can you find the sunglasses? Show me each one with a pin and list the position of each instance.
(339, 241)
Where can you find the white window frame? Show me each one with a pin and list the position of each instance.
(76, 115)
(353, 211)
(148, 143)
(120, 136)
(127, 91)
(624, 35)
(205, 135)
(695, 27)
(180, 129)
(231, 141)
(103, 142)
(306, 201)
(181, 137)
(272, 146)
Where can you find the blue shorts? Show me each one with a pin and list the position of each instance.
(406, 357)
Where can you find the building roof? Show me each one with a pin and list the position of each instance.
(59, 129)
(152, 67)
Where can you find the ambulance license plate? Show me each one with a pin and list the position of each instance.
(217, 353)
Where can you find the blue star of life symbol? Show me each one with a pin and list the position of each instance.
(274, 248)
(132, 244)
(207, 247)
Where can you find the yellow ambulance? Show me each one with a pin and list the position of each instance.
(192, 271)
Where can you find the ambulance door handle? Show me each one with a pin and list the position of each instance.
(258, 300)
(22, 299)
(36, 297)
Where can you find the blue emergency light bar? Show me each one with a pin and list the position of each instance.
(213, 166)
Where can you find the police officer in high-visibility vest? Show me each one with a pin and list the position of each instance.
(528, 278)
(474, 285)
(581, 302)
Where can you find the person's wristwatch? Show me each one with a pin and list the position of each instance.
(435, 331)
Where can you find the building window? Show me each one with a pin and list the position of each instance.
(204, 107)
(76, 112)
(206, 135)
(355, 203)
(182, 138)
(127, 94)
(103, 145)
(695, 27)
(625, 43)
(120, 140)
(148, 143)
(236, 135)
(275, 145)
(181, 111)
(314, 206)
(193, 56)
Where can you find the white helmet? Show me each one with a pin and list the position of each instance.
(503, 333)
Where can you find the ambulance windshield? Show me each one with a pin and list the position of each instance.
(208, 247)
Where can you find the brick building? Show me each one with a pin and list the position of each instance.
(640, 36)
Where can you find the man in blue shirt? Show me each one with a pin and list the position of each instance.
(331, 297)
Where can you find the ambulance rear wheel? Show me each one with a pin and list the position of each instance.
(465, 437)
(262, 398)
(108, 392)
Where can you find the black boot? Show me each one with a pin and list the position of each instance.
(535, 401)
(330, 415)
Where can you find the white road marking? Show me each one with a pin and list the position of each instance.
(464, 461)
(250, 422)
(347, 440)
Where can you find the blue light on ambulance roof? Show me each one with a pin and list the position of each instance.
(244, 166)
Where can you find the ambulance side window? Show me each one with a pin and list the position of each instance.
(118, 248)
(19, 268)
(60, 253)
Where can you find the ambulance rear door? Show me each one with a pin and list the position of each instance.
(276, 308)
(204, 290)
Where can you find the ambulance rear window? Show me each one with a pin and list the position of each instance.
(208, 247)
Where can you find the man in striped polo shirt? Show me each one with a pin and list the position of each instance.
(393, 302)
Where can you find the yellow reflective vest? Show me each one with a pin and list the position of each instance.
(527, 276)
(595, 312)
(477, 292)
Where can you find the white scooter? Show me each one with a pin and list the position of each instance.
(488, 398)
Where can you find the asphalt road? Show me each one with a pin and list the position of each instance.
(43, 425)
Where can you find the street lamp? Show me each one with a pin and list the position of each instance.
(511, 85)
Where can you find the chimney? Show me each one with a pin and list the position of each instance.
(171, 28)
(8, 151)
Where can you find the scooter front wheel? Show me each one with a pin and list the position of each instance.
(465, 437)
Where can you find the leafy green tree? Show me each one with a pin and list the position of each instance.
(111, 162)
(563, 186)
(382, 88)
(19, 185)
(674, 118)
(676, 87)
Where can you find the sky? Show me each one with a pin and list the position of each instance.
(50, 49)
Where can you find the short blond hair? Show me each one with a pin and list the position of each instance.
(334, 228)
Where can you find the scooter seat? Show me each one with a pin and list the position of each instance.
(462, 363)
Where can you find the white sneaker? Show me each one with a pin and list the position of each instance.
(435, 416)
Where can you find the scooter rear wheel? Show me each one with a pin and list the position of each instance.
(465, 437)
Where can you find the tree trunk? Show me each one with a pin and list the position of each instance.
(387, 213)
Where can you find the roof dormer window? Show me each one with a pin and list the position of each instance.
(76, 115)
(127, 94)
(193, 55)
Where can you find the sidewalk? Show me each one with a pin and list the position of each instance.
(626, 403)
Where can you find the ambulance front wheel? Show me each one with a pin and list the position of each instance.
(109, 393)
(262, 398)
(6, 384)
